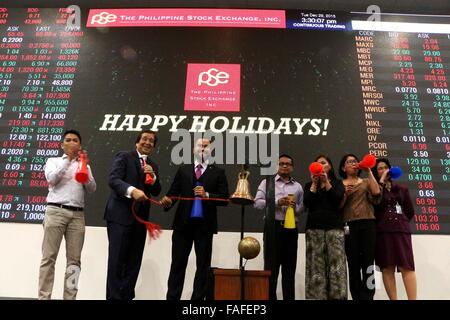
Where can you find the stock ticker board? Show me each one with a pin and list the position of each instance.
(324, 82)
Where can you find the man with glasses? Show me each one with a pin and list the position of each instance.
(275, 195)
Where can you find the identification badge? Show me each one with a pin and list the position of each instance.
(346, 230)
(398, 208)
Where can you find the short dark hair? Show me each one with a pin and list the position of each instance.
(375, 171)
(331, 173)
(72, 131)
(284, 155)
(146, 131)
(342, 164)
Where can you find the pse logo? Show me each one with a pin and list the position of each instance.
(103, 18)
(212, 87)
(213, 77)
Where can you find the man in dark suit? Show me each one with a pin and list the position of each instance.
(203, 180)
(126, 235)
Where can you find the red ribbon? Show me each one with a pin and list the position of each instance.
(154, 229)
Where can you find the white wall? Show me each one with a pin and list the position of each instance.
(20, 253)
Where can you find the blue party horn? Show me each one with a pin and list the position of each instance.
(395, 172)
(197, 206)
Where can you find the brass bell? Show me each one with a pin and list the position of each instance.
(242, 194)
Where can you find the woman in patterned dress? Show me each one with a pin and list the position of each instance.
(326, 272)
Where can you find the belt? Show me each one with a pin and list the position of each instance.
(65, 207)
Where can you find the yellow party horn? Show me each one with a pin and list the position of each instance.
(289, 220)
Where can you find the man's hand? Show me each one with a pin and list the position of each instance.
(138, 195)
(72, 152)
(200, 191)
(86, 155)
(148, 169)
(166, 202)
(285, 202)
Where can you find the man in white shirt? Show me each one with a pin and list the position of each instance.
(64, 216)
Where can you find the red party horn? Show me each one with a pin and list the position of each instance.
(148, 177)
(82, 173)
(368, 161)
(316, 168)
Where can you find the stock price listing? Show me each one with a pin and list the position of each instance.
(406, 101)
(38, 66)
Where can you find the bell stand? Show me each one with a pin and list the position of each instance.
(241, 260)
(243, 202)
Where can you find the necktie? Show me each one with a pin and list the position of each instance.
(198, 171)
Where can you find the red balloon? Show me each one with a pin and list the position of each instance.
(316, 168)
(368, 161)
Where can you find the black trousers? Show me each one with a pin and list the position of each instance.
(360, 251)
(280, 249)
(126, 246)
(181, 248)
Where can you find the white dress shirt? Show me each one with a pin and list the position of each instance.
(203, 164)
(62, 186)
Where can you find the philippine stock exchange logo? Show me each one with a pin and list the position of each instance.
(213, 87)
(213, 77)
(103, 18)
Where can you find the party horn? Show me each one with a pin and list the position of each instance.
(148, 177)
(368, 161)
(82, 174)
(197, 206)
(289, 219)
(316, 168)
(395, 172)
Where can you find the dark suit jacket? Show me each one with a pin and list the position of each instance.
(215, 183)
(127, 171)
(388, 220)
